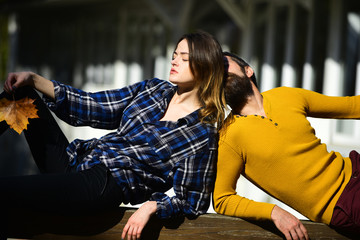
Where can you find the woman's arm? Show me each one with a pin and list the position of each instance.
(138, 220)
(20, 79)
(193, 182)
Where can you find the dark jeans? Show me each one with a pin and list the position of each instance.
(59, 189)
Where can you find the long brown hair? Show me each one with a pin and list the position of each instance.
(207, 67)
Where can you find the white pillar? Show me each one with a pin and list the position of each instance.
(248, 41)
(333, 77)
(308, 69)
(120, 68)
(148, 43)
(288, 76)
(354, 20)
(135, 70)
(268, 74)
(161, 62)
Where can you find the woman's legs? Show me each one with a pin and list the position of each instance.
(46, 140)
(65, 194)
(59, 190)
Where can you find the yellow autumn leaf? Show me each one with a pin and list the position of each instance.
(17, 113)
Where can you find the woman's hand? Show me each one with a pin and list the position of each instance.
(20, 79)
(138, 220)
(288, 224)
(16, 80)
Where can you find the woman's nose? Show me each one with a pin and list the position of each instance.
(174, 61)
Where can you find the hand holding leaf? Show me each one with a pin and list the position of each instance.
(17, 113)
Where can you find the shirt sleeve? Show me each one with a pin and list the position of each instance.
(193, 184)
(226, 201)
(99, 110)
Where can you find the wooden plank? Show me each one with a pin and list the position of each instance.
(208, 226)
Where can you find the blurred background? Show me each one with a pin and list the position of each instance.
(103, 44)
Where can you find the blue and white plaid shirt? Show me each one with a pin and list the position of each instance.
(146, 156)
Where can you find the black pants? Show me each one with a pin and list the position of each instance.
(59, 189)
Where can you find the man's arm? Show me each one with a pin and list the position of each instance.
(322, 106)
(288, 224)
(228, 202)
(230, 165)
(20, 79)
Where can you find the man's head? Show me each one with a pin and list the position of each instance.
(238, 87)
(239, 62)
(237, 90)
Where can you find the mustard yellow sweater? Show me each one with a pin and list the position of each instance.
(281, 155)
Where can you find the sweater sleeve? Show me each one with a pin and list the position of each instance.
(322, 106)
(226, 201)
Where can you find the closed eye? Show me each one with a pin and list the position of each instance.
(184, 55)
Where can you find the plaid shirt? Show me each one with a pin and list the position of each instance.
(145, 156)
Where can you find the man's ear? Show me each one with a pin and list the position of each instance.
(249, 71)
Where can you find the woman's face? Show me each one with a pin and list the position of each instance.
(180, 73)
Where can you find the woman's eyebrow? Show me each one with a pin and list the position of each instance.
(181, 53)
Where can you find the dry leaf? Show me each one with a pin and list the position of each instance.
(17, 113)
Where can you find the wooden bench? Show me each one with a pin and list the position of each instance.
(110, 225)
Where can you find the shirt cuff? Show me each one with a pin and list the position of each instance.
(59, 96)
(164, 205)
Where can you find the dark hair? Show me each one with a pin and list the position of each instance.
(207, 67)
(242, 63)
(237, 89)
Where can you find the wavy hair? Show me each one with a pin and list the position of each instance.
(207, 66)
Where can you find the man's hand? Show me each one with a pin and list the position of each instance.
(288, 224)
(138, 220)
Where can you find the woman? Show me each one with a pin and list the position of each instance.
(165, 137)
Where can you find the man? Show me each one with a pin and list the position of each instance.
(269, 140)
